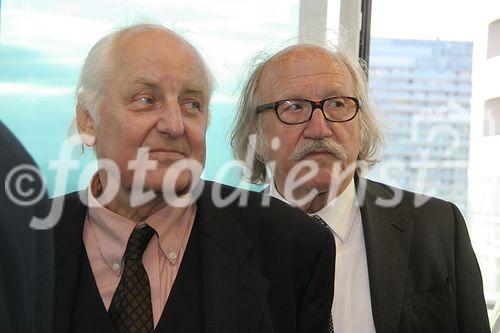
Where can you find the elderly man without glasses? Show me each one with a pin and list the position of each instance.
(129, 260)
(401, 266)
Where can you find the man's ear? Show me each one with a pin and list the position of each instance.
(85, 124)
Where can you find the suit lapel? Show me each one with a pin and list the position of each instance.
(234, 294)
(69, 246)
(388, 233)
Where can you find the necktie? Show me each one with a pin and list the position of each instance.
(323, 223)
(130, 308)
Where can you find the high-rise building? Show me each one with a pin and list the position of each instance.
(484, 165)
(422, 89)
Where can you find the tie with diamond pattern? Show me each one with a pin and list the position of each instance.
(323, 223)
(130, 309)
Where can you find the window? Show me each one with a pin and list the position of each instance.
(44, 45)
(440, 52)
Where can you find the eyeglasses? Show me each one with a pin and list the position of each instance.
(298, 111)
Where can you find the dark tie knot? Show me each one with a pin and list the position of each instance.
(138, 242)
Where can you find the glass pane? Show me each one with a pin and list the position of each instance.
(43, 45)
(421, 74)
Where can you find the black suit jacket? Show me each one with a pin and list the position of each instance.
(423, 274)
(263, 269)
(26, 255)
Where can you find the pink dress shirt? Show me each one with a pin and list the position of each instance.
(105, 235)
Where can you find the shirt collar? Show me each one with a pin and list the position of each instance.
(170, 224)
(112, 231)
(339, 213)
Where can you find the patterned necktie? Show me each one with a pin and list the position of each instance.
(323, 223)
(130, 309)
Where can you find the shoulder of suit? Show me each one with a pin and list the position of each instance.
(71, 197)
(386, 191)
(262, 211)
(72, 207)
(414, 203)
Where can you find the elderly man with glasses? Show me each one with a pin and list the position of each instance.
(404, 262)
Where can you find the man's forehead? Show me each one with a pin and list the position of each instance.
(156, 34)
(149, 41)
(288, 61)
(298, 66)
(144, 52)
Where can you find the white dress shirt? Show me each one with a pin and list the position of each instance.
(352, 309)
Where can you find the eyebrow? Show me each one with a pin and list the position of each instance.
(146, 82)
(192, 88)
(194, 91)
(196, 88)
(337, 90)
(333, 90)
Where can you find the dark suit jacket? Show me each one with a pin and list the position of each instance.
(26, 255)
(424, 276)
(263, 269)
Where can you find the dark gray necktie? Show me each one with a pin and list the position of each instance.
(131, 309)
(324, 224)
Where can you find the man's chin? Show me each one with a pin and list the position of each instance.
(325, 179)
(320, 185)
(165, 159)
(181, 186)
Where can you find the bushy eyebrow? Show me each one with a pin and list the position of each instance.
(192, 88)
(194, 91)
(147, 82)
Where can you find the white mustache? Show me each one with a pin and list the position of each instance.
(311, 146)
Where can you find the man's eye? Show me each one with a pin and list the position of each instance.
(294, 107)
(191, 105)
(291, 106)
(335, 103)
(147, 100)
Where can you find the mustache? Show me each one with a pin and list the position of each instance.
(326, 144)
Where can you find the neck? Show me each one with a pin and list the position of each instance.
(121, 204)
(316, 204)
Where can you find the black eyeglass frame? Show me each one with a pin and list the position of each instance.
(314, 104)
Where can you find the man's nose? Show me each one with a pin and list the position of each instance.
(317, 127)
(171, 120)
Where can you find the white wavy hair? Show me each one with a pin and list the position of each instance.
(248, 122)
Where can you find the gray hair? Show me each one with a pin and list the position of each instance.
(98, 65)
(248, 122)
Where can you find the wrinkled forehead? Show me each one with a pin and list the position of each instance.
(158, 46)
(291, 67)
